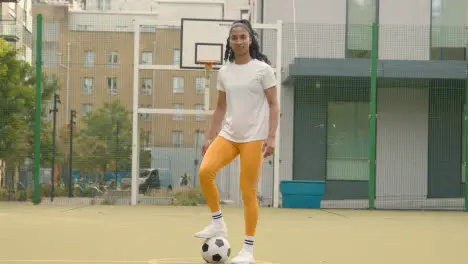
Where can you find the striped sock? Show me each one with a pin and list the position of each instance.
(218, 217)
(249, 244)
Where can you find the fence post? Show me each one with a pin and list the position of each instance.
(373, 115)
(37, 130)
(466, 141)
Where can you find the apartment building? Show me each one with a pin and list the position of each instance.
(16, 26)
(90, 53)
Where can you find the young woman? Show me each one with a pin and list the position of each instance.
(247, 102)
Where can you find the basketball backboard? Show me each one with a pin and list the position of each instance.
(203, 40)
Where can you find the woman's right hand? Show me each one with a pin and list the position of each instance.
(205, 146)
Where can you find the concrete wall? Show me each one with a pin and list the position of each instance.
(320, 28)
(405, 36)
(286, 133)
(407, 28)
(419, 139)
(402, 142)
(171, 8)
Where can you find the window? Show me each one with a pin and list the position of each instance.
(178, 139)
(348, 141)
(178, 84)
(145, 117)
(448, 29)
(112, 85)
(25, 12)
(108, 4)
(50, 53)
(200, 85)
(121, 28)
(198, 138)
(178, 115)
(176, 56)
(112, 58)
(361, 15)
(100, 4)
(50, 79)
(88, 85)
(89, 59)
(245, 14)
(12, 9)
(148, 29)
(51, 32)
(200, 116)
(146, 139)
(147, 57)
(146, 86)
(84, 27)
(86, 109)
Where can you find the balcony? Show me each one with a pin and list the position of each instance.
(10, 30)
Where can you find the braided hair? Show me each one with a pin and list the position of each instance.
(254, 48)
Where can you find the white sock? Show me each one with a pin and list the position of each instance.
(218, 217)
(249, 244)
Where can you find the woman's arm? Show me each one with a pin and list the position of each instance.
(218, 116)
(272, 98)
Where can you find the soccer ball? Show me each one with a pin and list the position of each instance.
(216, 250)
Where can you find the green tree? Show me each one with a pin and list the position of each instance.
(17, 104)
(111, 128)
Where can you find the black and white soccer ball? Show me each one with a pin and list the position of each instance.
(216, 250)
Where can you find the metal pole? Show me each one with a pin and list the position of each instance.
(207, 89)
(373, 115)
(117, 153)
(135, 134)
(276, 155)
(54, 132)
(68, 81)
(197, 157)
(294, 28)
(70, 156)
(37, 138)
(466, 143)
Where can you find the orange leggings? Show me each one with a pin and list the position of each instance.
(220, 153)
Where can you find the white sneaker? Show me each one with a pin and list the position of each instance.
(243, 257)
(213, 230)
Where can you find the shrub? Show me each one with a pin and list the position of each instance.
(188, 197)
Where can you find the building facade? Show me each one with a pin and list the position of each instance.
(420, 100)
(16, 26)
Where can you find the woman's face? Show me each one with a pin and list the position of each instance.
(240, 40)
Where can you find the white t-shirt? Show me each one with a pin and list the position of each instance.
(247, 113)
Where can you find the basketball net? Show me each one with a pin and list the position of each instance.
(208, 65)
(208, 68)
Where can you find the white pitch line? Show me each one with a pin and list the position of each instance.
(68, 261)
(153, 261)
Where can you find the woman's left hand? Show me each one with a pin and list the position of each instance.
(268, 147)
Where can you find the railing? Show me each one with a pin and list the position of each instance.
(10, 30)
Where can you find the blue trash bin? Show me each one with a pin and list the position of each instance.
(302, 194)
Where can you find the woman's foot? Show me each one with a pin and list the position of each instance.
(216, 229)
(213, 230)
(243, 257)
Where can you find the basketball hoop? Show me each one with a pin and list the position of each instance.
(208, 64)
